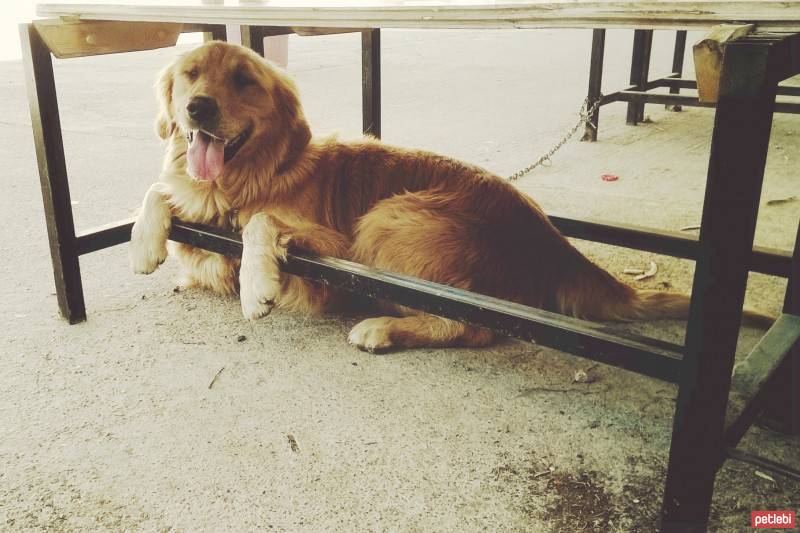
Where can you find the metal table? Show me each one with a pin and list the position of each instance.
(713, 410)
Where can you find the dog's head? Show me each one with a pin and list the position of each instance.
(233, 107)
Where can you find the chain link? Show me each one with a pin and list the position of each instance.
(585, 119)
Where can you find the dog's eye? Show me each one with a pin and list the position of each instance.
(193, 73)
(242, 80)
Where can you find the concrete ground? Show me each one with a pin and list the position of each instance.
(112, 425)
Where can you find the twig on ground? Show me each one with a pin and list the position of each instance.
(762, 475)
(581, 390)
(214, 379)
(779, 201)
(649, 274)
(633, 271)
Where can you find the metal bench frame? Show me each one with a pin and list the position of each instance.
(638, 93)
(724, 254)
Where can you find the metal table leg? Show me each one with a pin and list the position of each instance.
(735, 173)
(677, 65)
(371, 81)
(43, 103)
(595, 82)
(253, 38)
(640, 69)
(216, 32)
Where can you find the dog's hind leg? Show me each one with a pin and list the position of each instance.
(262, 285)
(382, 334)
(426, 236)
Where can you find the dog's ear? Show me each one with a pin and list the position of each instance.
(288, 103)
(165, 121)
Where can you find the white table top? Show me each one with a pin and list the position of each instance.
(654, 14)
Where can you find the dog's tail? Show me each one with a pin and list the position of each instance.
(587, 291)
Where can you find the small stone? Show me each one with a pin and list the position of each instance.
(594, 424)
(241, 338)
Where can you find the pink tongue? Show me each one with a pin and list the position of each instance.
(206, 157)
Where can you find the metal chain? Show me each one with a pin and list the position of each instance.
(584, 119)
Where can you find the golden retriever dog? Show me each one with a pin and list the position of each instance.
(241, 156)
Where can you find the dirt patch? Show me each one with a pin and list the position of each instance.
(566, 501)
(579, 503)
(639, 503)
(587, 500)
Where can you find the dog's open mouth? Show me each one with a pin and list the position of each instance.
(208, 153)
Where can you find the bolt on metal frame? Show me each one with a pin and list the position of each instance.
(724, 254)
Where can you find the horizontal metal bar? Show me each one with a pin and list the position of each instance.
(640, 238)
(786, 90)
(682, 83)
(784, 48)
(769, 261)
(614, 97)
(764, 260)
(207, 237)
(682, 100)
(603, 344)
(656, 98)
(104, 236)
(636, 353)
(686, 83)
(764, 463)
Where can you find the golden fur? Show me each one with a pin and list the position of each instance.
(402, 210)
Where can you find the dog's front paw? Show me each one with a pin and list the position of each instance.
(372, 335)
(148, 246)
(259, 275)
(263, 246)
(259, 285)
(257, 299)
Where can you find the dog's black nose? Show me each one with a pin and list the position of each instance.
(202, 108)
